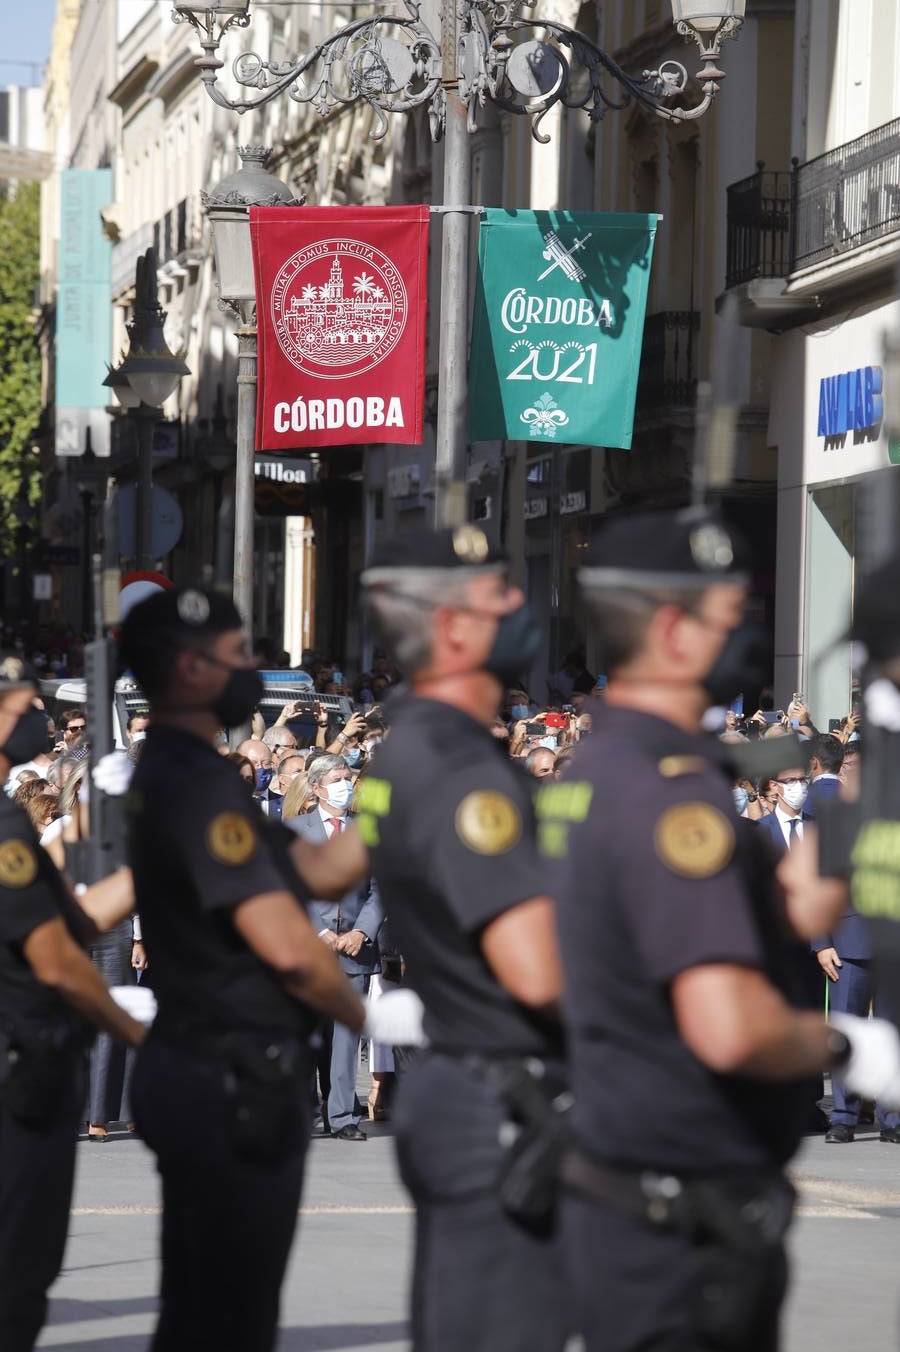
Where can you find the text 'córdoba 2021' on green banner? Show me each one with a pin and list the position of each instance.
(559, 321)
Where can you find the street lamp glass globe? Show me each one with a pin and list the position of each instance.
(117, 381)
(216, 8)
(234, 255)
(153, 387)
(704, 16)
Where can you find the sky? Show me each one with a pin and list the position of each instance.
(26, 37)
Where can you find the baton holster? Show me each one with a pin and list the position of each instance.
(35, 1068)
(264, 1081)
(535, 1096)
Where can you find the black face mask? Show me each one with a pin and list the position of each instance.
(27, 739)
(514, 647)
(744, 664)
(239, 696)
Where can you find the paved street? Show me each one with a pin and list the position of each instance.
(347, 1282)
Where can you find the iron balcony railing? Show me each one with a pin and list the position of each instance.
(847, 197)
(781, 222)
(759, 227)
(667, 374)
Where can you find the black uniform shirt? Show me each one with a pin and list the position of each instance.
(449, 822)
(199, 847)
(657, 876)
(32, 892)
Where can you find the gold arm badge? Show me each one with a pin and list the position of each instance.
(694, 840)
(18, 864)
(488, 822)
(230, 839)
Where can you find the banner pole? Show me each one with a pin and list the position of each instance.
(245, 483)
(452, 414)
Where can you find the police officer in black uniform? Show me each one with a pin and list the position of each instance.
(51, 999)
(448, 823)
(220, 1089)
(687, 1054)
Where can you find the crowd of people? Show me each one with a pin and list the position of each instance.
(603, 930)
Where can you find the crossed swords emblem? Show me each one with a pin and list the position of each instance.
(562, 257)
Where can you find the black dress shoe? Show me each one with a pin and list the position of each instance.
(891, 1134)
(839, 1134)
(349, 1133)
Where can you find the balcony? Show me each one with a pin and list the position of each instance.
(759, 227)
(668, 374)
(847, 198)
(784, 223)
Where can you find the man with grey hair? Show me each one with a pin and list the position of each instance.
(260, 755)
(349, 927)
(449, 826)
(280, 740)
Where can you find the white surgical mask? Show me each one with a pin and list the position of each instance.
(549, 742)
(138, 736)
(741, 799)
(795, 794)
(339, 794)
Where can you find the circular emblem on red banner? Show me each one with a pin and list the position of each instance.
(339, 307)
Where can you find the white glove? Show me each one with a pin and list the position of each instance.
(873, 1070)
(112, 773)
(138, 1001)
(395, 1019)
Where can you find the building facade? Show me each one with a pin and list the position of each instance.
(814, 242)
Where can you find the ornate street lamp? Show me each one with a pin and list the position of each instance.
(228, 209)
(142, 382)
(485, 51)
(394, 62)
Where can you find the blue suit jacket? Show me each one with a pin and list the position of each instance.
(851, 938)
(360, 909)
(821, 791)
(771, 827)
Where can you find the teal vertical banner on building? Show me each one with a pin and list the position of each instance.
(83, 312)
(559, 322)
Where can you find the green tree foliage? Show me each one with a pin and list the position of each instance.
(20, 359)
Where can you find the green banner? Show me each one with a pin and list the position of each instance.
(559, 321)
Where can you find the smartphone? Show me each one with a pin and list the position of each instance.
(568, 708)
(774, 715)
(835, 724)
(553, 720)
(534, 729)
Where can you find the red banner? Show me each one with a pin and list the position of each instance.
(340, 304)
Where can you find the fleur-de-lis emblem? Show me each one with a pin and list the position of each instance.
(544, 417)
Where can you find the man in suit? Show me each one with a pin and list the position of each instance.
(785, 825)
(260, 756)
(845, 956)
(826, 756)
(349, 927)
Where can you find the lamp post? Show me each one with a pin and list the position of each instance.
(393, 62)
(142, 383)
(228, 209)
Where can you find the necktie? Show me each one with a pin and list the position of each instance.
(793, 832)
(336, 826)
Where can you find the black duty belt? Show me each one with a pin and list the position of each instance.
(748, 1211)
(207, 1043)
(647, 1195)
